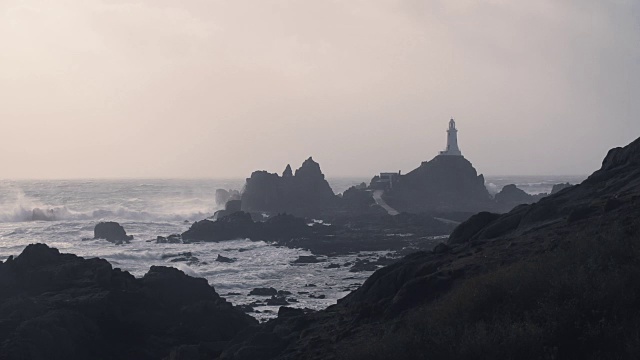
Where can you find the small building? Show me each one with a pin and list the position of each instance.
(386, 180)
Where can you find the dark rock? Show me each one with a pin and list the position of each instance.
(224, 259)
(333, 266)
(465, 231)
(287, 172)
(510, 196)
(233, 206)
(285, 311)
(304, 259)
(277, 301)
(305, 193)
(559, 187)
(283, 292)
(171, 239)
(281, 227)
(363, 265)
(441, 248)
(60, 306)
(264, 292)
(321, 296)
(111, 231)
(246, 308)
(235, 226)
(446, 183)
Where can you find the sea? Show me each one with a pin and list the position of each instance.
(160, 207)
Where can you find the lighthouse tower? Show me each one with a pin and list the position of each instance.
(452, 141)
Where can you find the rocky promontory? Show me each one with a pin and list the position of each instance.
(446, 183)
(305, 192)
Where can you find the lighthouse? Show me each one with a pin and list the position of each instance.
(452, 141)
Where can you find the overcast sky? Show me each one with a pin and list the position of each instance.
(212, 88)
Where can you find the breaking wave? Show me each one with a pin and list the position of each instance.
(22, 213)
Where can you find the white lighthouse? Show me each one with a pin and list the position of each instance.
(452, 141)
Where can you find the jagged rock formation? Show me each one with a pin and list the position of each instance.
(446, 183)
(61, 306)
(305, 193)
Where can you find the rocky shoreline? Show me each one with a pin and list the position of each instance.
(556, 279)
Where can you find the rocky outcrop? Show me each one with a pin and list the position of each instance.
(237, 225)
(61, 306)
(446, 183)
(511, 196)
(111, 231)
(304, 193)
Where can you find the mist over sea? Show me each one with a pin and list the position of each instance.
(148, 208)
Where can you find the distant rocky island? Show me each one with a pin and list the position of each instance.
(446, 184)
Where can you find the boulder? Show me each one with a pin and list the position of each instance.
(264, 292)
(111, 231)
(307, 259)
(224, 259)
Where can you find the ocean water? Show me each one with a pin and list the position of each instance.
(148, 208)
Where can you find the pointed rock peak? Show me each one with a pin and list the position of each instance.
(309, 168)
(287, 171)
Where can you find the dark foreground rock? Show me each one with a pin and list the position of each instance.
(552, 280)
(111, 231)
(61, 306)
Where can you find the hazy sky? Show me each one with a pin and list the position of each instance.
(212, 88)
